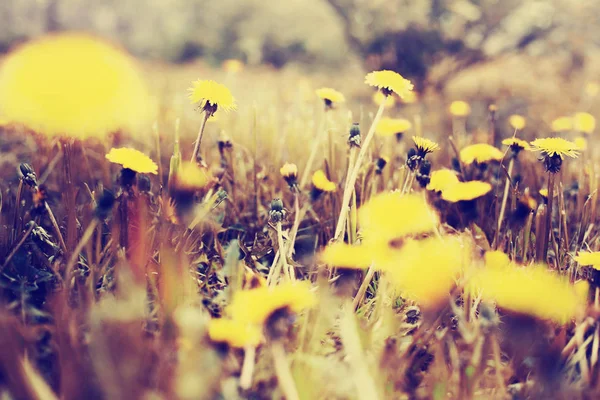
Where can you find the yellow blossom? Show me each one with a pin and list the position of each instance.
(235, 333)
(330, 95)
(320, 182)
(581, 143)
(132, 159)
(555, 146)
(464, 191)
(74, 85)
(389, 81)
(424, 146)
(460, 108)
(517, 121)
(211, 96)
(289, 170)
(480, 153)
(441, 179)
(496, 259)
(562, 124)
(584, 122)
(191, 176)
(589, 258)
(533, 290)
(232, 65)
(392, 126)
(410, 98)
(392, 215)
(343, 255)
(378, 98)
(515, 144)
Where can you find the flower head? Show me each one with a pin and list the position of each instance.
(517, 122)
(516, 145)
(534, 291)
(191, 176)
(392, 126)
(378, 98)
(233, 332)
(410, 98)
(388, 82)
(343, 255)
(289, 170)
(424, 146)
(74, 85)
(320, 182)
(555, 147)
(562, 124)
(460, 108)
(584, 122)
(464, 191)
(330, 96)
(211, 96)
(480, 153)
(442, 179)
(232, 66)
(581, 142)
(391, 215)
(132, 159)
(496, 259)
(589, 258)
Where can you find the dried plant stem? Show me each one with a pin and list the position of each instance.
(298, 215)
(196, 151)
(497, 363)
(287, 269)
(248, 367)
(504, 200)
(351, 179)
(87, 235)
(283, 372)
(16, 248)
(279, 262)
(526, 237)
(546, 236)
(313, 151)
(363, 287)
(59, 236)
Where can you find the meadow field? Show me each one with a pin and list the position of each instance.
(230, 231)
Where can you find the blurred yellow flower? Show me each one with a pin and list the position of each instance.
(343, 255)
(132, 159)
(211, 96)
(463, 191)
(441, 179)
(516, 145)
(392, 215)
(555, 146)
(410, 98)
(392, 126)
(496, 259)
(589, 258)
(288, 171)
(424, 146)
(581, 143)
(235, 333)
(592, 89)
(232, 65)
(584, 122)
(562, 124)
(255, 306)
(533, 290)
(544, 193)
(480, 153)
(388, 82)
(191, 176)
(378, 98)
(517, 121)
(320, 182)
(330, 96)
(426, 270)
(74, 85)
(460, 108)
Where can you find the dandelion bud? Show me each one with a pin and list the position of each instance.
(105, 204)
(277, 213)
(27, 174)
(553, 163)
(380, 165)
(413, 159)
(144, 183)
(423, 174)
(354, 138)
(289, 172)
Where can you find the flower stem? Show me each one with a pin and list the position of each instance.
(248, 367)
(351, 180)
(283, 372)
(363, 287)
(548, 233)
(199, 139)
(504, 200)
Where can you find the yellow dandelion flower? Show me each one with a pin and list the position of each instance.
(378, 98)
(426, 270)
(581, 143)
(74, 85)
(584, 122)
(441, 179)
(343, 255)
(132, 159)
(388, 82)
(425, 146)
(410, 98)
(232, 66)
(235, 333)
(555, 147)
(330, 96)
(464, 191)
(191, 176)
(392, 126)
(544, 193)
(592, 89)
(289, 170)
(517, 121)
(391, 215)
(562, 124)
(211, 96)
(480, 153)
(255, 306)
(496, 259)
(320, 182)
(532, 290)
(460, 108)
(589, 258)
(515, 144)
(582, 288)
